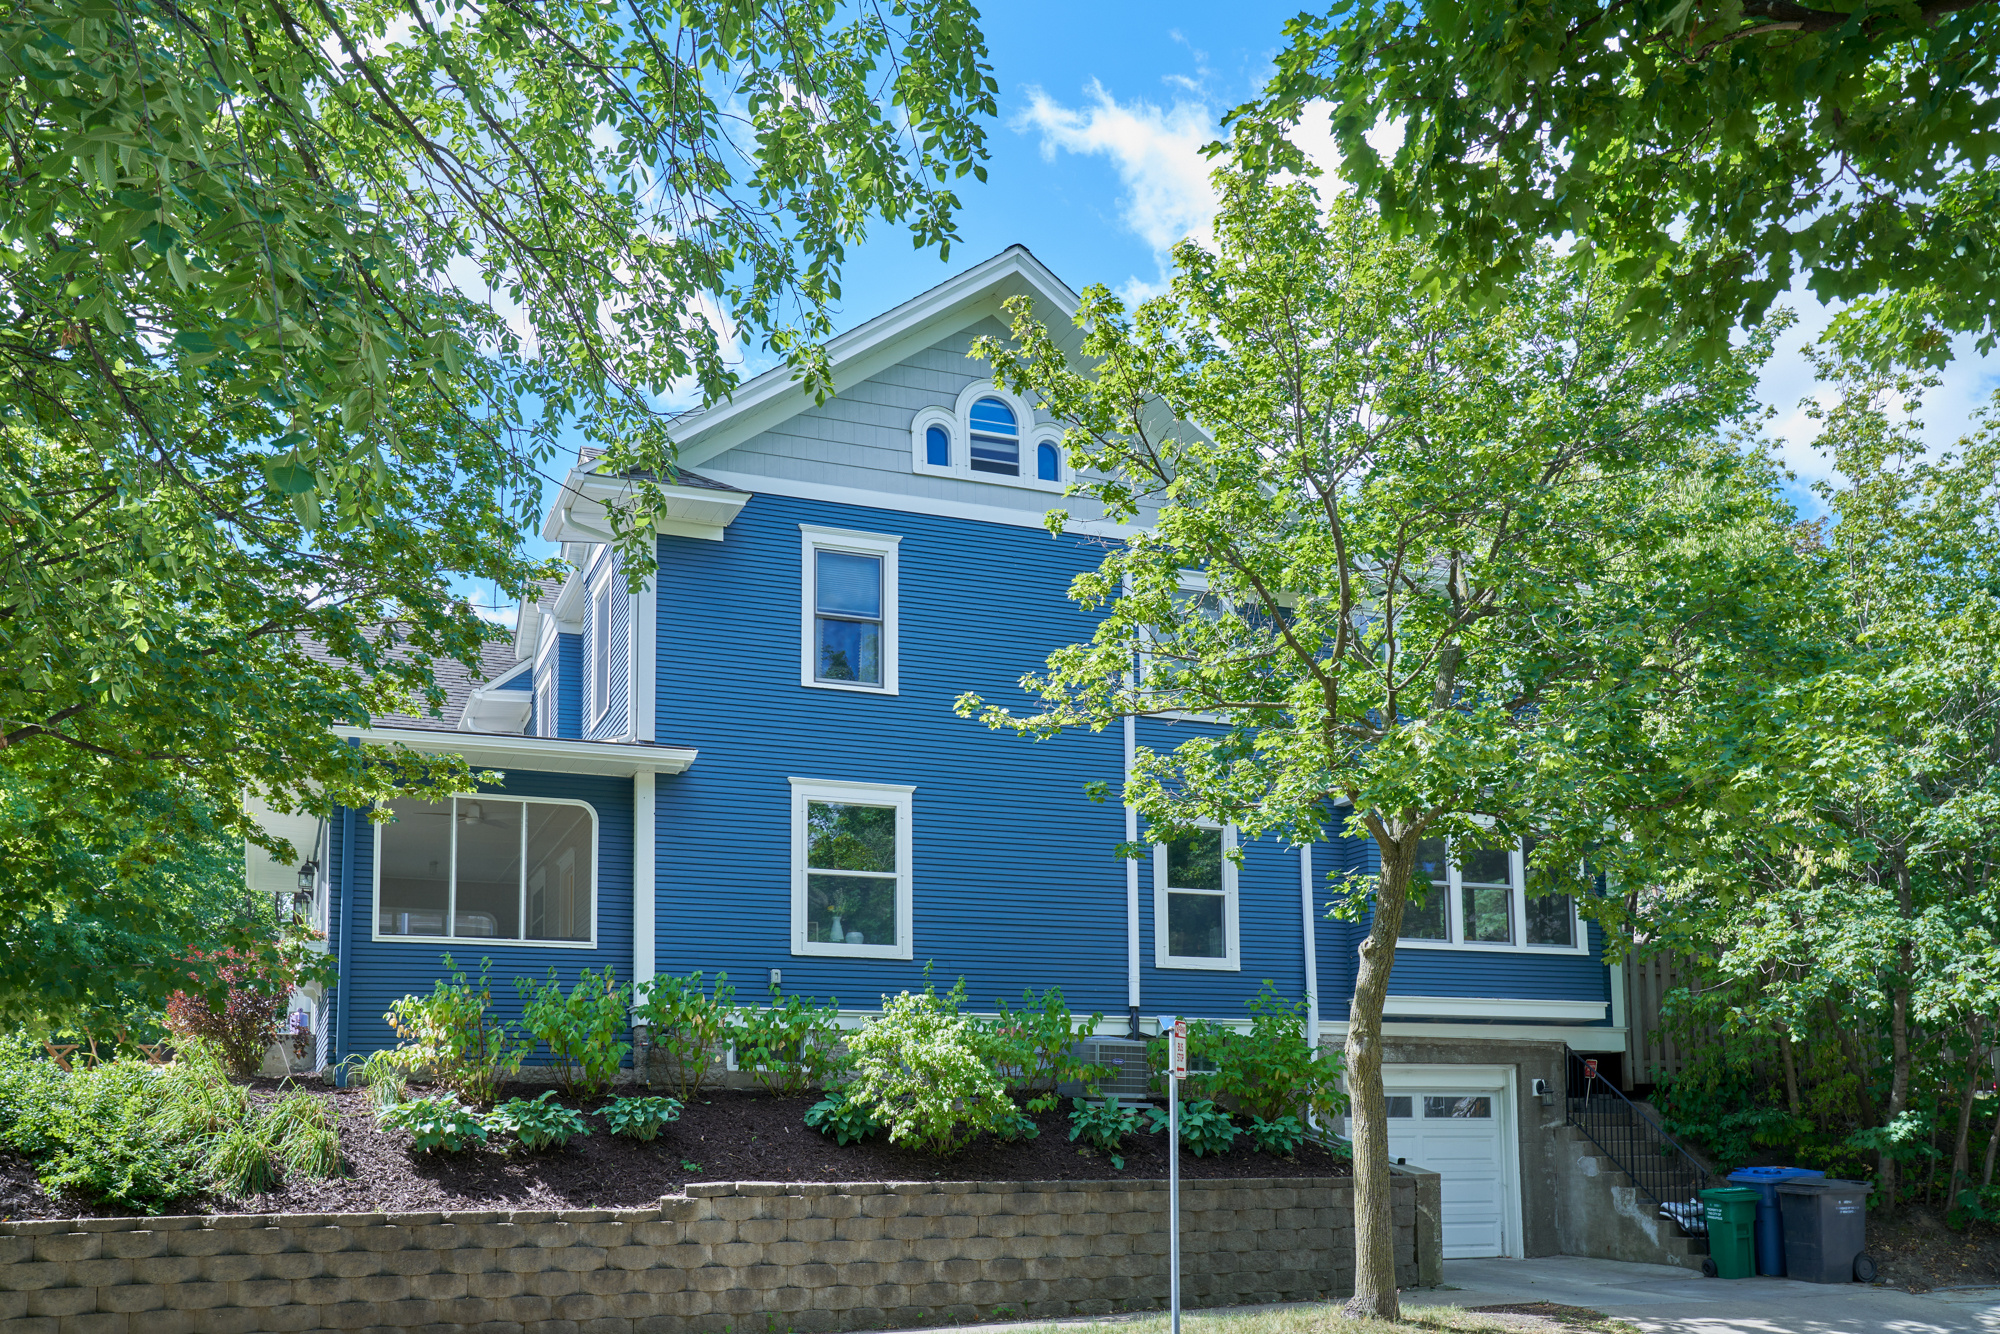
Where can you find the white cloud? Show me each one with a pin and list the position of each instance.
(1158, 157)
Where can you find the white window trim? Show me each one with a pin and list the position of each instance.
(451, 898)
(957, 420)
(1454, 917)
(813, 538)
(902, 798)
(1233, 961)
(600, 652)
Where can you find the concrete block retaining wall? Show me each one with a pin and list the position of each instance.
(746, 1256)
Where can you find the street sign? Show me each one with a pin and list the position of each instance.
(1177, 1064)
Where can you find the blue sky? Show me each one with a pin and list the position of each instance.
(1096, 167)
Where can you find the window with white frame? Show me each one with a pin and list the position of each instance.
(988, 436)
(848, 612)
(1194, 902)
(600, 651)
(487, 868)
(1486, 898)
(851, 890)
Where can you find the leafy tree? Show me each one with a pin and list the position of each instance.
(253, 428)
(1426, 570)
(1857, 909)
(1705, 153)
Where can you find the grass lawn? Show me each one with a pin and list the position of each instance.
(1534, 1318)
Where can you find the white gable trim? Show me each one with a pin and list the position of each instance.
(866, 351)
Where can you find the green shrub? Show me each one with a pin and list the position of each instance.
(791, 1045)
(196, 1096)
(640, 1118)
(1020, 1127)
(1035, 1047)
(236, 1003)
(920, 1071)
(1273, 1070)
(306, 1134)
(385, 1082)
(243, 1160)
(586, 1030)
(839, 1116)
(450, 1037)
(688, 1027)
(438, 1124)
(540, 1122)
(1205, 1128)
(1104, 1126)
(1280, 1138)
(99, 1140)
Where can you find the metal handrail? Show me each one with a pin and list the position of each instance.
(1661, 1169)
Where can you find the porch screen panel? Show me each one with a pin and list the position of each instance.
(560, 873)
(489, 869)
(415, 869)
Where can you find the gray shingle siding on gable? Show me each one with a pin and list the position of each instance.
(860, 438)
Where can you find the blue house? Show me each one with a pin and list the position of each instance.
(752, 765)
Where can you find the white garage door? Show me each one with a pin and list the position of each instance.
(1456, 1134)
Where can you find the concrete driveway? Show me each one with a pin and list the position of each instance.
(1661, 1299)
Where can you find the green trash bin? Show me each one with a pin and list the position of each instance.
(1731, 1215)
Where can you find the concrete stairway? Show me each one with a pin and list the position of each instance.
(1604, 1214)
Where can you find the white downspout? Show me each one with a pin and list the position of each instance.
(1311, 944)
(1131, 886)
(644, 866)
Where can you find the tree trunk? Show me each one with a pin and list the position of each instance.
(1791, 1073)
(1992, 1148)
(1375, 1296)
(1961, 1146)
(1864, 1101)
(1899, 1029)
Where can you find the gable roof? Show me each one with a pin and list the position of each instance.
(956, 303)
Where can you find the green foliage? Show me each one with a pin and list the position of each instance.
(306, 1134)
(1019, 1128)
(839, 1116)
(919, 1070)
(239, 1012)
(386, 1083)
(1205, 1128)
(1272, 1071)
(585, 1030)
(450, 1037)
(640, 1118)
(438, 1124)
(540, 1122)
(250, 407)
(196, 1097)
(243, 1160)
(1036, 1047)
(791, 1045)
(1684, 148)
(688, 1026)
(1104, 1126)
(1280, 1138)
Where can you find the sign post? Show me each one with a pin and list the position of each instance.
(1177, 1068)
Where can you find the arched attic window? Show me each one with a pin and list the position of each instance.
(937, 447)
(1048, 461)
(996, 438)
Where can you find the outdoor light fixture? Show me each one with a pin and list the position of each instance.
(308, 874)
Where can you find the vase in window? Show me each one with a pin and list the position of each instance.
(856, 938)
(834, 934)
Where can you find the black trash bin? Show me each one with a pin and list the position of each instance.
(1825, 1228)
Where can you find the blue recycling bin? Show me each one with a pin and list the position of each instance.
(1770, 1224)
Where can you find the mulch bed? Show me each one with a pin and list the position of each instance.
(724, 1135)
(1914, 1249)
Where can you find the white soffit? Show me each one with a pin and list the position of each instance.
(1490, 1007)
(612, 759)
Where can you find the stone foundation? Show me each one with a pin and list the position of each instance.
(731, 1255)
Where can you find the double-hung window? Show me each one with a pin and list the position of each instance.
(848, 616)
(851, 885)
(1485, 897)
(1194, 902)
(487, 868)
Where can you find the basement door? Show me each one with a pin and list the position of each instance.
(1457, 1123)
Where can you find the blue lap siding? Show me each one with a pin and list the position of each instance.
(374, 974)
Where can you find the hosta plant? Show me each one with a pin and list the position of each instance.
(438, 1124)
(841, 1118)
(1205, 1128)
(1104, 1126)
(1280, 1137)
(540, 1122)
(640, 1118)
